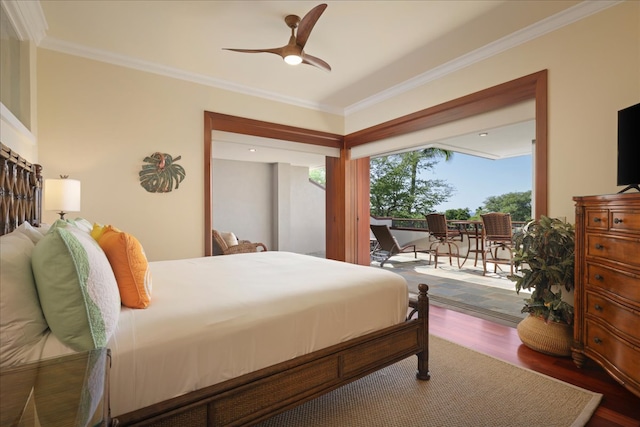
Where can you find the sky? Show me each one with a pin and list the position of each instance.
(475, 179)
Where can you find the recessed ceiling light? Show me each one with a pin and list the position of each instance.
(483, 134)
(253, 150)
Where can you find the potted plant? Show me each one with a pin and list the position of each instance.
(544, 262)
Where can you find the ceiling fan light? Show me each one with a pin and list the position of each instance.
(293, 59)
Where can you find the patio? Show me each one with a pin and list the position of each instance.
(492, 297)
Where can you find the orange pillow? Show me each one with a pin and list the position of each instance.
(129, 264)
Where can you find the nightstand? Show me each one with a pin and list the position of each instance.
(71, 390)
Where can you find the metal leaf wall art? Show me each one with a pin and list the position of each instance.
(161, 173)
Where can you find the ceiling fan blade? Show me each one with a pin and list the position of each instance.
(316, 62)
(276, 50)
(306, 24)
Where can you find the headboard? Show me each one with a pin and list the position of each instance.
(20, 191)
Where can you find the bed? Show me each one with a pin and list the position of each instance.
(271, 331)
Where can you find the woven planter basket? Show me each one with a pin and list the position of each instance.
(549, 338)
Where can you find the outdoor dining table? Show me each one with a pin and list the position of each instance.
(473, 230)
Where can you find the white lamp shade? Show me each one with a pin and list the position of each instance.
(62, 195)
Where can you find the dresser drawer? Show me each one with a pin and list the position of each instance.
(625, 220)
(597, 219)
(616, 351)
(616, 315)
(623, 283)
(620, 249)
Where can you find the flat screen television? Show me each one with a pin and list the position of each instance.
(629, 147)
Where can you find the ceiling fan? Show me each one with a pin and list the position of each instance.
(293, 53)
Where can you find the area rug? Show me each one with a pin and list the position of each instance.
(466, 388)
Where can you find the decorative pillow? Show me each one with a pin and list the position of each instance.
(77, 289)
(130, 266)
(22, 323)
(79, 223)
(229, 238)
(97, 231)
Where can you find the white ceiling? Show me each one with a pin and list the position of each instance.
(375, 48)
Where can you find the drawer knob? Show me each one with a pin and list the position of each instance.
(597, 219)
(599, 246)
(599, 277)
(597, 340)
(617, 221)
(598, 307)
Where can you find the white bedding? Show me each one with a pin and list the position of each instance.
(216, 318)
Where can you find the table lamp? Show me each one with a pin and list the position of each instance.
(62, 195)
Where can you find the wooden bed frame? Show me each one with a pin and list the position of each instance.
(259, 395)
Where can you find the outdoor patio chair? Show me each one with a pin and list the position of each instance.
(439, 230)
(227, 244)
(387, 245)
(498, 236)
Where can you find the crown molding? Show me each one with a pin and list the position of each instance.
(552, 23)
(163, 70)
(547, 25)
(27, 19)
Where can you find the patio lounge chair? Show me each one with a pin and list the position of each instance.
(229, 244)
(387, 245)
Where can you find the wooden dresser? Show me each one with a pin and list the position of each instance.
(607, 294)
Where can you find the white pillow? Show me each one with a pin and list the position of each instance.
(33, 233)
(229, 238)
(82, 224)
(77, 288)
(22, 323)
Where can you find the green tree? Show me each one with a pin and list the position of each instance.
(319, 176)
(518, 204)
(398, 191)
(459, 214)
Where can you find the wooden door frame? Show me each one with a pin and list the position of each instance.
(227, 123)
(530, 87)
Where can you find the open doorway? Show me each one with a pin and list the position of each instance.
(262, 193)
(486, 157)
(469, 289)
(530, 87)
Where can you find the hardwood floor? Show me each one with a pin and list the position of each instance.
(618, 407)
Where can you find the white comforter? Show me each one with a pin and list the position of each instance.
(216, 318)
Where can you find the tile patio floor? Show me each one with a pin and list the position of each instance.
(491, 297)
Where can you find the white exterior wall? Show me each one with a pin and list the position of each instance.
(270, 203)
(308, 213)
(243, 200)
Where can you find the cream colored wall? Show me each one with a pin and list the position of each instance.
(97, 122)
(594, 71)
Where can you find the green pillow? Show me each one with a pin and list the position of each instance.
(77, 289)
